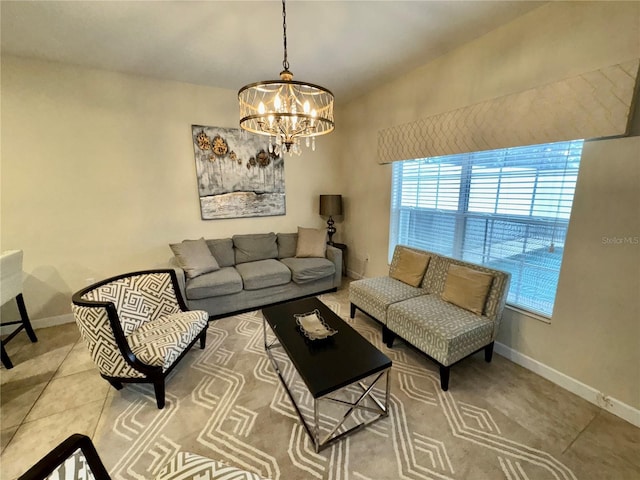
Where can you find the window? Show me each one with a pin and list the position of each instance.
(507, 209)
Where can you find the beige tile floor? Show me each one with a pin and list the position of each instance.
(54, 390)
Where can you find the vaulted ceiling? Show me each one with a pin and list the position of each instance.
(346, 46)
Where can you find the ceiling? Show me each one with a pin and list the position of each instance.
(345, 46)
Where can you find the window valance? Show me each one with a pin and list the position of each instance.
(595, 104)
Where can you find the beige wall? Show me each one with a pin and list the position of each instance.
(555, 41)
(98, 175)
(594, 335)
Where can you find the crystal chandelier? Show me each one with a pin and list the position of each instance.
(286, 110)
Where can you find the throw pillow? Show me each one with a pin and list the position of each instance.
(312, 242)
(411, 267)
(194, 257)
(222, 251)
(287, 245)
(467, 288)
(255, 246)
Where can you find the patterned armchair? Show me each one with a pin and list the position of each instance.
(137, 327)
(77, 459)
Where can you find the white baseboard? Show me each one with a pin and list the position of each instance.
(612, 405)
(353, 274)
(41, 323)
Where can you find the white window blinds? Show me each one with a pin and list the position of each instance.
(508, 209)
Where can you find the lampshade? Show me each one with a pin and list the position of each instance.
(330, 205)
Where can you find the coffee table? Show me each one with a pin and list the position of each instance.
(328, 367)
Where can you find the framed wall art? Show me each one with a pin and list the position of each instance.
(237, 175)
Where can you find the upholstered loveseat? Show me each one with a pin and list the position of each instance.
(447, 308)
(229, 275)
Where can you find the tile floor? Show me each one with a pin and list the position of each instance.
(55, 390)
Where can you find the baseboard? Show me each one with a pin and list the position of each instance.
(353, 274)
(612, 405)
(41, 323)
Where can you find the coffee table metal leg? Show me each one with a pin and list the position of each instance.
(385, 407)
(268, 347)
(264, 332)
(314, 434)
(386, 394)
(382, 411)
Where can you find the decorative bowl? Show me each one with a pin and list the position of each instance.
(313, 326)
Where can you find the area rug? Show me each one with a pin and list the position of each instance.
(226, 403)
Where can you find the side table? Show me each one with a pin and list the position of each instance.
(342, 248)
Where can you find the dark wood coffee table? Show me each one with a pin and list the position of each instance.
(328, 366)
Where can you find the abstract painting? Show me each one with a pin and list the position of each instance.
(237, 175)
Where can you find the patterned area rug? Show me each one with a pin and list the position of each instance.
(226, 403)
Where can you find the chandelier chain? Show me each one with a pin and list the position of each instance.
(285, 62)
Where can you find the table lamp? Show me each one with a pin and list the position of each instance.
(330, 205)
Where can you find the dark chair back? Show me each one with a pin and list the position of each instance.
(75, 458)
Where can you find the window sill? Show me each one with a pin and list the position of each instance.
(527, 313)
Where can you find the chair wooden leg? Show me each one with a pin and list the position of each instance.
(488, 352)
(444, 377)
(158, 386)
(6, 361)
(115, 384)
(352, 311)
(388, 336)
(25, 318)
(203, 339)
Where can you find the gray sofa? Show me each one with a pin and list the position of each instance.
(256, 270)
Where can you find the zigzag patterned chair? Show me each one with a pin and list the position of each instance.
(77, 459)
(137, 327)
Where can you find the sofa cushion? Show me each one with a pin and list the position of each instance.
(194, 257)
(442, 330)
(263, 273)
(410, 267)
(287, 243)
(255, 246)
(304, 270)
(214, 284)
(467, 288)
(222, 250)
(312, 242)
(374, 295)
(160, 342)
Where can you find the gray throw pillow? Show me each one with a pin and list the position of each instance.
(287, 243)
(222, 250)
(255, 246)
(194, 257)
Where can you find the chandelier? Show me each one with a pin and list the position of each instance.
(286, 110)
